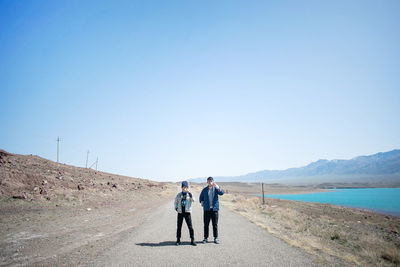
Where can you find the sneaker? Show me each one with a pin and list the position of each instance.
(178, 242)
(205, 240)
(216, 241)
(193, 243)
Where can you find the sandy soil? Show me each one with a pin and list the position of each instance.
(48, 235)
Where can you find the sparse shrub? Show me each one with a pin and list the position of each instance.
(335, 236)
(391, 256)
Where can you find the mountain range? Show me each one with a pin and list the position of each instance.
(380, 168)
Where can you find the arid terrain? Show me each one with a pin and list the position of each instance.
(357, 236)
(54, 213)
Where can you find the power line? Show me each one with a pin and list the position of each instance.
(87, 158)
(94, 163)
(58, 148)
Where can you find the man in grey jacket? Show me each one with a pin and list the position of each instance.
(183, 205)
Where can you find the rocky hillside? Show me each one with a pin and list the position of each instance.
(33, 178)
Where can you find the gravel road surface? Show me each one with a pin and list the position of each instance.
(242, 244)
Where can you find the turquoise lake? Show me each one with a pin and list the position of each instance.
(382, 200)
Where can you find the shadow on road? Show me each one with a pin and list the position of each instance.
(162, 244)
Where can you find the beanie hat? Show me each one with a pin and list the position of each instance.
(185, 183)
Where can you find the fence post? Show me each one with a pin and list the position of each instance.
(262, 185)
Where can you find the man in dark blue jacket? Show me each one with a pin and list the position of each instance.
(209, 201)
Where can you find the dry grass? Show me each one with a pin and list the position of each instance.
(359, 237)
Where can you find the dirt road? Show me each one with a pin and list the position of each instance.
(242, 243)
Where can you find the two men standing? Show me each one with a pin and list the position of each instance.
(210, 203)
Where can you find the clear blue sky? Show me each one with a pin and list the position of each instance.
(169, 90)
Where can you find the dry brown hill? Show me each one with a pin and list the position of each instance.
(53, 214)
(34, 178)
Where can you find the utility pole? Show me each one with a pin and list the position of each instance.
(87, 158)
(58, 147)
(97, 160)
(262, 185)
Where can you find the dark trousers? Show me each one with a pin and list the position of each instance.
(213, 215)
(188, 219)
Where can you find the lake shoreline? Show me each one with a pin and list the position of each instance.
(356, 235)
(360, 198)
